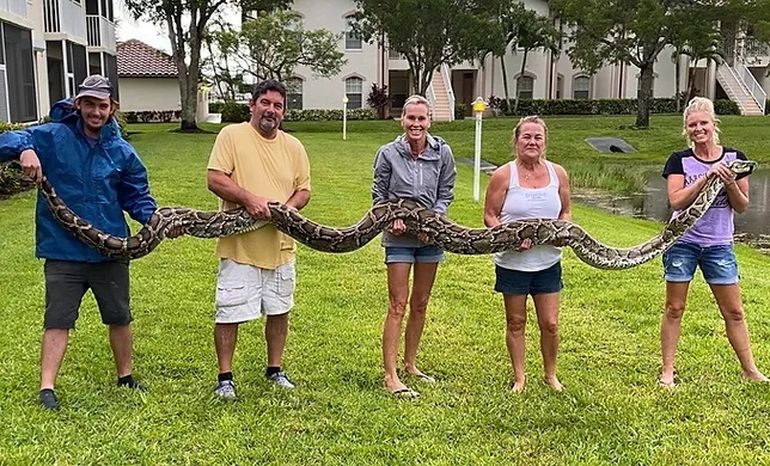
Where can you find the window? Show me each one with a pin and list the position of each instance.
(525, 87)
(111, 72)
(22, 94)
(559, 87)
(354, 91)
(393, 55)
(294, 93)
(352, 39)
(581, 87)
(77, 65)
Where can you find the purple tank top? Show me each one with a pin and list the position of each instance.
(716, 227)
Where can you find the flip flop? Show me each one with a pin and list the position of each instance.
(423, 377)
(405, 393)
(671, 384)
(663, 384)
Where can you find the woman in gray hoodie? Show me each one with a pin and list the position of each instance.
(419, 166)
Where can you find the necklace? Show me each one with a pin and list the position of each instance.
(527, 173)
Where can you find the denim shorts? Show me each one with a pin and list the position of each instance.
(430, 254)
(528, 283)
(717, 263)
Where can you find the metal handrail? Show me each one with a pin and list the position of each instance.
(430, 94)
(731, 71)
(450, 92)
(757, 93)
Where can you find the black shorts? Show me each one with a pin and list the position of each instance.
(66, 282)
(516, 282)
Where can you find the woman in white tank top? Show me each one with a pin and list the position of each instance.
(529, 187)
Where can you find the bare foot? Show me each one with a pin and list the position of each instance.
(554, 383)
(394, 384)
(755, 376)
(666, 380)
(518, 386)
(415, 372)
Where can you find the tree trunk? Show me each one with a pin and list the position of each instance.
(644, 95)
(426, 76)
(188, 75)
(691, 82)
(505, 84)
(523, 67)
(677, 94)
(729, 31)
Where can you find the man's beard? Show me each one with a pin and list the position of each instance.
(268, 124)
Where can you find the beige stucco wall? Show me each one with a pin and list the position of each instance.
(328, 92)
(141, 94)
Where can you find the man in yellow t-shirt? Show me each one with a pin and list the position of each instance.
(251, 164)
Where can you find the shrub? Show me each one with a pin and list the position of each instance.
(607, 106)
(233, 112)
(11, 181)
(153, 116)
(216, 107)
(378, 99)
(120, 117)
(10, 173)
(460, 110)
(322, 114)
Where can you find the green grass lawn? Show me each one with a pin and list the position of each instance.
(612, 411)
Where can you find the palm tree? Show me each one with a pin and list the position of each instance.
(533, 32)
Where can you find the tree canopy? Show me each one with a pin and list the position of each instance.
(628, 31)
(428, 33)
(271, 46)
(186, 22)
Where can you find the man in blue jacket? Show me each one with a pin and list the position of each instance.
(99, 175)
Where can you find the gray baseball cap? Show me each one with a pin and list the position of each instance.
(96, 86)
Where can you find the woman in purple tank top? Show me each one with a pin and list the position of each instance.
(709, 245)
(529, 187)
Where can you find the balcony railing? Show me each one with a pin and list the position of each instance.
(101, 32)
(65, 17)
(17, 7)
(754, 52)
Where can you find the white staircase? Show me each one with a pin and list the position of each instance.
(441, 95)
(738, 91)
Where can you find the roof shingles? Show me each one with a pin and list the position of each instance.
(139, 60)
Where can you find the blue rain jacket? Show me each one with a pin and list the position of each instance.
(98, 180)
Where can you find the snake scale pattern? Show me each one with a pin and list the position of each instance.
(438, 228)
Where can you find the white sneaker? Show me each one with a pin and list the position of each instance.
(281, 380)
(225, 390)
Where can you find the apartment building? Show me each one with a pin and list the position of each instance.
(47, 47)
(547, 75)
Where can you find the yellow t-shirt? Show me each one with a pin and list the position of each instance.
(273, 168)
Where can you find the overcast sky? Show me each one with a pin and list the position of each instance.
(128, 28)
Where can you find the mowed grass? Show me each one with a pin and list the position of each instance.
(612, 411)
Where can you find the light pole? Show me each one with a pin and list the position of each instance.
(478, 108)
(344, 117)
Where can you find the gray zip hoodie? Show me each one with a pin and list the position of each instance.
(429, 179)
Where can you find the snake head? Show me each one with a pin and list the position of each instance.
(741, 167)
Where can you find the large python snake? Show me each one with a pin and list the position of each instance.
(438, 228)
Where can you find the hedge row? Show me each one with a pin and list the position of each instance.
(10, 173)
(153, 116)
(235, 113)
(600, 106)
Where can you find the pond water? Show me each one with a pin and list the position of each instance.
(653, 204)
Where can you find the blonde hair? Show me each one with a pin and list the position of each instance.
(415, 99)
(529, 119)
(700, 104)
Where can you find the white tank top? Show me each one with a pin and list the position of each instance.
(527, 203)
